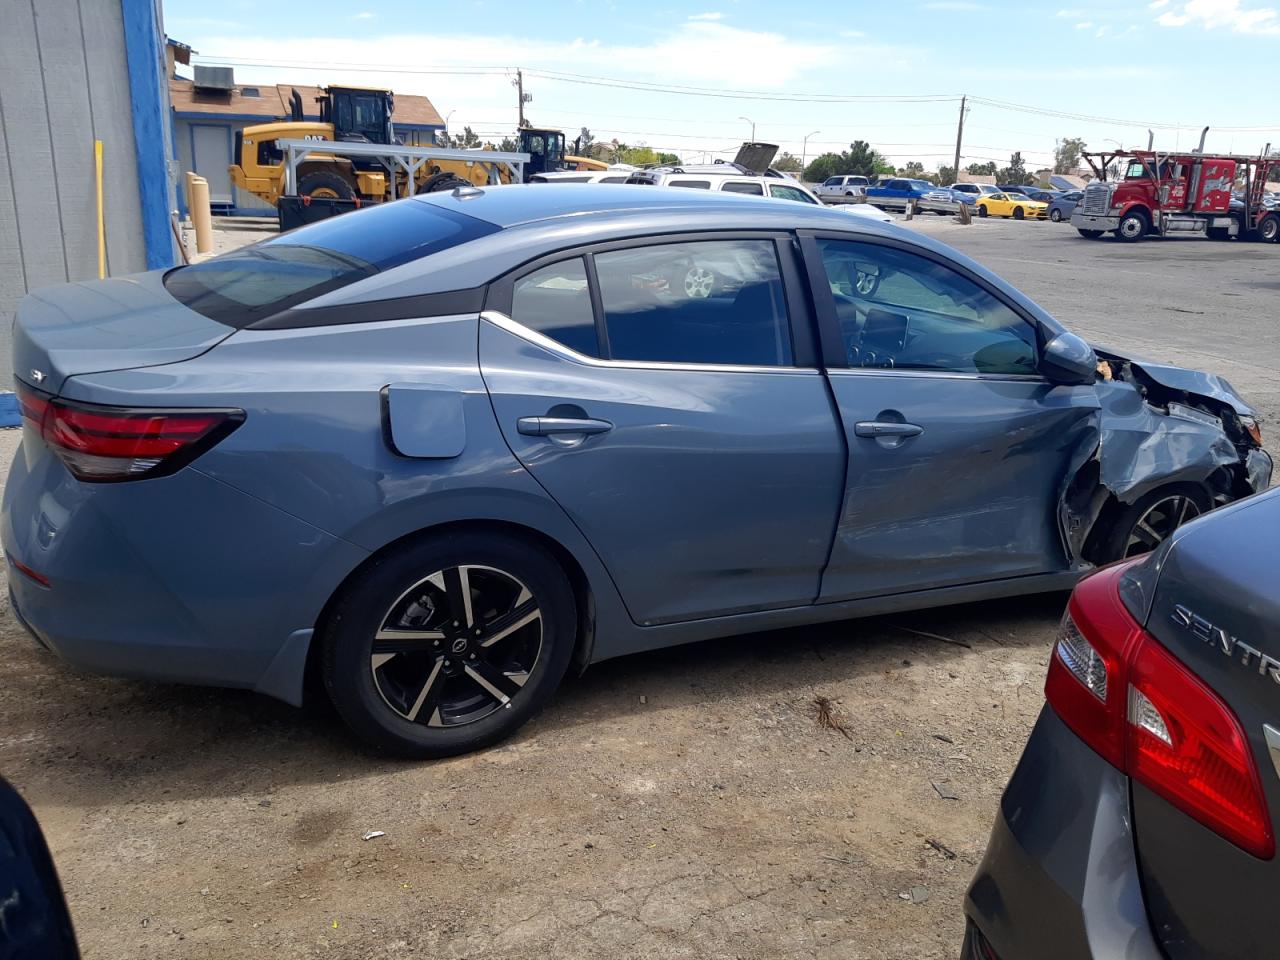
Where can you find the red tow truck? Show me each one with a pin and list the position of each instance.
(1188, 192)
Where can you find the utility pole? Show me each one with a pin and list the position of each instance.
(959, 137)
(520, 96)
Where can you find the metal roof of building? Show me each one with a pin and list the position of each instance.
(272, 103)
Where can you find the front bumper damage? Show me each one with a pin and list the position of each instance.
(1158, 425)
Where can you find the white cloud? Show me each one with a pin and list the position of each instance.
(852, 34)
(1102, 32)
(707, 16)
(1231, 14)
(365, 15)
(1157, 4)
(1084, 24)
(964, 6)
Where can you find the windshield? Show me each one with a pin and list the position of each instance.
(246, 285)
(920, 184)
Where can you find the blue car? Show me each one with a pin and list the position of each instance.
(441, 452)
(897, 192)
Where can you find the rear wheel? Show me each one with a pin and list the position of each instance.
(1017, 213)
(1133, 226)
(1055, 215)
(982, 209)
(326, 185)
(1269, 228)
(448, 643)
(1143, 525)
(1218, 233)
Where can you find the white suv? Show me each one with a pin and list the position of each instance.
(781, 188)
(843, 186)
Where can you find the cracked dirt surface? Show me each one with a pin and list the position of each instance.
(676, 804)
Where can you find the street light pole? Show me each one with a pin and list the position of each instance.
(753, 127)
(804, 151)
(446, 124)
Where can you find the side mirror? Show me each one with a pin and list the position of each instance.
(1069, 360)
(34, 921)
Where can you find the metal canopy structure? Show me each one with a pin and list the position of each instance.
(396, 157)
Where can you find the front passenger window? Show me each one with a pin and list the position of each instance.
(898, 310)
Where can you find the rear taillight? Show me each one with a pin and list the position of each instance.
(1142, 710)
(105, 444)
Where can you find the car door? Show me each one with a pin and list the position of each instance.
(958, 449)
(665, 393)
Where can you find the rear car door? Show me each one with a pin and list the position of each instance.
(665, 392)
(1217, 610)
(958, 448)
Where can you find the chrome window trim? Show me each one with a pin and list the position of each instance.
(933, 374)
(504, 322)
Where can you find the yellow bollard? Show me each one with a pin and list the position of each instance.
(102, 224)
(201, 218)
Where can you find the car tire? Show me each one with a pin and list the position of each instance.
(1141, 526)
(1134, 225)
(982, 209)
(1269, 228)
(1218, 233)
(1091, 234)
(439, 182)
(326, 185)
(1017, 213)
(448, 643)
(1055, 215)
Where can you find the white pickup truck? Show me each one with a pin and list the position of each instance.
(842, 186)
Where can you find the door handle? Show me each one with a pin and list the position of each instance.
(883, 428)
(551, 426)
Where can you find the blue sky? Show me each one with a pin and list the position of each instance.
(1114, 67)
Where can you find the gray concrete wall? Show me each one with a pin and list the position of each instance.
(63, 83)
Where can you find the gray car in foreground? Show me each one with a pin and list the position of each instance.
(1140, 822)
(441, 452)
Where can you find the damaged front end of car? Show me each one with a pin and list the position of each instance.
(1158, 426)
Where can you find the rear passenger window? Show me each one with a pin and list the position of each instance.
(695, 184)
(556, 302)
(621, 179)
(743, 186)
(713, 302)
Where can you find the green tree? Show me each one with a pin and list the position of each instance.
(466, 139)
(946, 174)
(644, 156)
(585, 142)
(1066, 154)
(859, 159)
(787, 163)
(982, 169)
(508, 145)
(1015, 172)
(914, 168)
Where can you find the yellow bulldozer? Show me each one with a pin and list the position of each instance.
(363, 116)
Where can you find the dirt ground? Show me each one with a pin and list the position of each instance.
(685, 803)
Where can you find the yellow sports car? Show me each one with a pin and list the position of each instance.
(1011, 205)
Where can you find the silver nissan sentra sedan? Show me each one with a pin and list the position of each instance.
(443, 451)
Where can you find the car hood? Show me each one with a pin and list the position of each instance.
(1209, 385)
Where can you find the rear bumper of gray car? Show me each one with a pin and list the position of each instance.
(1060, 877)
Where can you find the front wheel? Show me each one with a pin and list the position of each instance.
(1017, 213)
(982, 210)
(1269, 228)
(1090, 234)
(326, 185)
(448, 643)
(1218, 233)
(1133, 226)
(1055, 215)
(1143, 525)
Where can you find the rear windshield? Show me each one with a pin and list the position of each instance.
(244, 286)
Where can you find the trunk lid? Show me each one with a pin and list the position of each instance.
(100, 325)
(1217, 609)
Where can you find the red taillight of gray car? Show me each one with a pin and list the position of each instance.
(102, 444)
(1143, 711)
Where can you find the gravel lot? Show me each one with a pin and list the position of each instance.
(685, 803)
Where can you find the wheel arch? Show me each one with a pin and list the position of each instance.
(1114, 505)
(584, 595)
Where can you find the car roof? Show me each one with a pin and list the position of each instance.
(516, 204)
